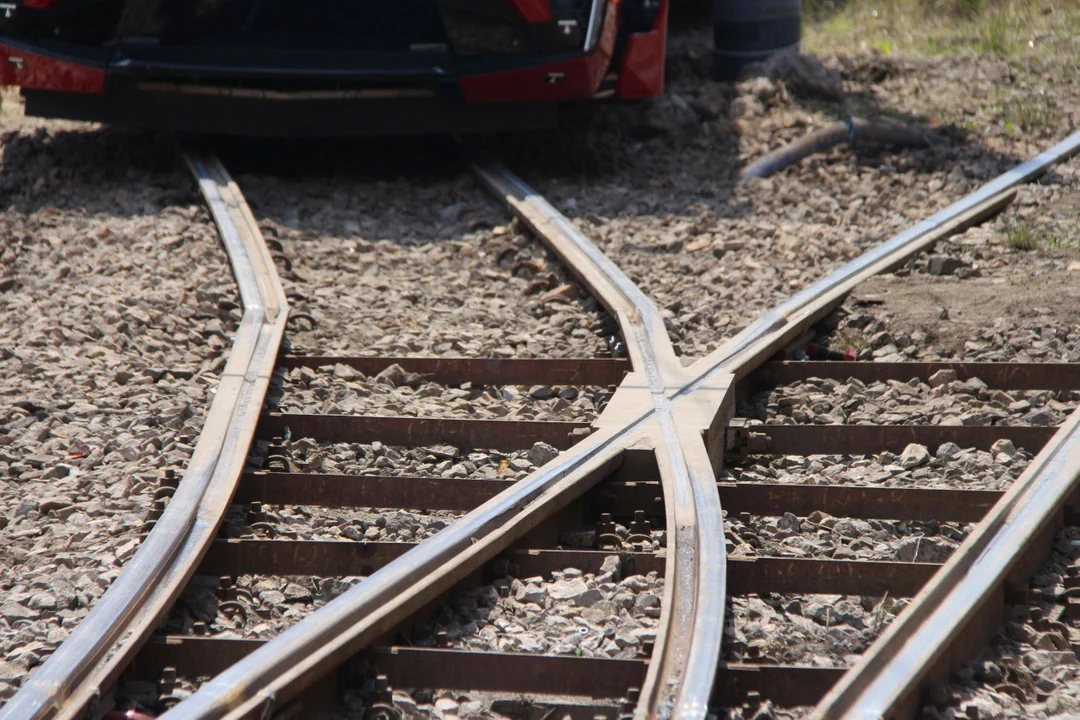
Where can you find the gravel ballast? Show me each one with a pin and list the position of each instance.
(1030, 669)
(433, 267)
(116, 311)
(438, 270)
(656, 184)
(339, 390)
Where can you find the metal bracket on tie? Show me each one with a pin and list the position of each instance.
(268, 706)
(744, 440)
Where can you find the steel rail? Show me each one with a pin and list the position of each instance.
(72, 680)
(923, 639)
(700, 395)
(286, 665)
(749, 349)
(906, 652)
(887, 678)
(691, 624)
(663, 406)
(277, 671)
(742, 352)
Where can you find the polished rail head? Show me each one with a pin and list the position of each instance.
(688, 695)
(246, 686)
(896, 664)
(985, 201)
(906, 653)
(680, 679)
(71, 677)
(640, 319)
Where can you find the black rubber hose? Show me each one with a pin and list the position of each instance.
(858, 133)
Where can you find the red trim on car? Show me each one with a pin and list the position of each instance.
(574, 79)
(534, 11)
(642, 71)
(43, 73)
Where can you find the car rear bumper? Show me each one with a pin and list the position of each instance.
(297, 93)
(295, 115)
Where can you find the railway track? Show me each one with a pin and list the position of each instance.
(626, 519)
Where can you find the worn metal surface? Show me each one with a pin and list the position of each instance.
(282, 668)
(329, 558)
(873, 439)
(375, 491)
(960, 609)
(829, 577)
(621, 499)
(859, 501)
(687, 649)
(525, 673)
(756, 343)
(191, 655)
(679, 412)
(1004, 376)
(784, 685)
(99, 648)
(417, 432)
(688, 446)
(941, 625)
(639, 412)
(533, 675)
(488, 371)
(529, 563)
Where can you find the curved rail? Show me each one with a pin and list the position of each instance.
(679, 412)
(885, 680)
(694, 674)
(72, 680)
(283, 667)
(694, 612)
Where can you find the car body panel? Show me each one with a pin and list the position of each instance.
(453, 61)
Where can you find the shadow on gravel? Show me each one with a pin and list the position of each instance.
(672, 154)
(364, 159)
(93, 169)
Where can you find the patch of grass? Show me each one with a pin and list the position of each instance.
(1020, 234)
(1059, 243)
(995, 33)
(1004, 28)
(839, 24)
(1030, 113)
(880, 616)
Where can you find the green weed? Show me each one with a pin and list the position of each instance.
(1004, 28)
(1020, 234)
(1031, 113)
(995, 33)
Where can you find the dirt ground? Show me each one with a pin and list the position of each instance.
(656, 183)
(973, 304)
(1036, 286)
